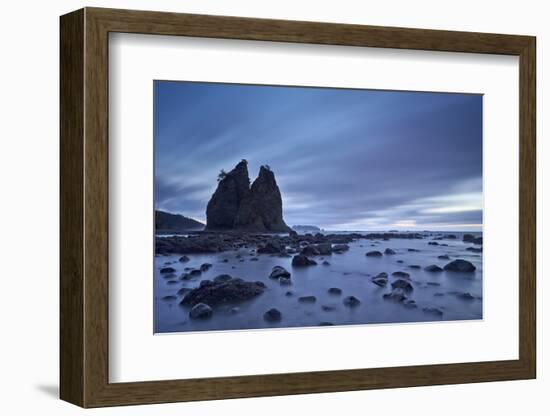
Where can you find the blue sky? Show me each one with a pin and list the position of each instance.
(343, 159)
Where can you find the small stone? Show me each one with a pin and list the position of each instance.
(184, 259)
(351, 301)
(307, 299)
(165, 270)
(273, 315)
(200, 311)
(433, 268)
(335, 291)
(374, 253)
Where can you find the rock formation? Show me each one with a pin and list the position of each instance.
(235, 205)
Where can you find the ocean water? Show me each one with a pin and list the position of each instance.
(350, 271)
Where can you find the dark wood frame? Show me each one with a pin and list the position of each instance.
(84, 209)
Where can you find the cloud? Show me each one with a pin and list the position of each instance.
(342, 158)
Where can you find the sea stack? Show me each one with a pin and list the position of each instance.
(235, 205)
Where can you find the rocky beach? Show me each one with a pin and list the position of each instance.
(248, 269)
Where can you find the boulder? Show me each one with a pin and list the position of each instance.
(166, 270)
(205, 266)
(397, 295)
(403, 275)
(433, 311)
(226, 291)
(279, 271)
(326, 263)
(273, 315)
(351, 301)
(271, 247)
(200, 311)
(380, 280)
(310, 251)
(222, 278)
(335, 291)
(184, 259)
(340, 248)
(460, 265)
(389, 251)
(300, 261)
(324, 249)
(374, 253)
(433, 268)
(402, 284)
(285, 281)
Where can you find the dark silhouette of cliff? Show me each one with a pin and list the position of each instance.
(235, 205)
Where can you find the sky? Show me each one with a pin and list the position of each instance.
(344, 159)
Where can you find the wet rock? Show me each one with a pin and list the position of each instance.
(324, 248)
(271, 247)
(399, 261)
(414, 266)
(433, 283)
(380, 280)
(474, 249)
(389, 251)
(351, 301)
(310, 251)
(200, 311)
(328, 308)
(433, 243)
(169, 297)
(172, 282)
(183, 291)
(301, 261)
(464, 295)
(402, 284)
(432, 268)
(410, 304)
(289, 293)
(204, 283)
(439, 294)
(325, 323)
(443, 257)
(254, 259)
(326, 263)
(403, 275)
(478, 241)
(397, 295)
(433, 311)
(335, 291)
(307, 299)
(279, 271)
(460, 265)
(450, 236)
(468, 238)
(273, 315)
(374, 253)
(340, 248)
(222, 278)
(184, 259)
(195, 272)
(285, 281)
(205, 267)
(166, 270)
(413, 250)
(226, 291)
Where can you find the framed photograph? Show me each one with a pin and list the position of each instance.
(255, 207)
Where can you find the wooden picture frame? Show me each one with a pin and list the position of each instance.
(84, 207)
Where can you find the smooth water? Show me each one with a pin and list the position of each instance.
(350, 271)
